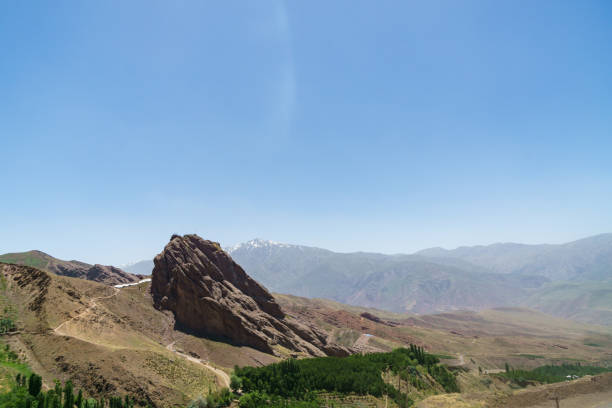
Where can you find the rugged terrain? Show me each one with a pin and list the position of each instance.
(112, 341)
(438, 280)
(76, 269)
(486, 339)
(211, 295)
(145, 341)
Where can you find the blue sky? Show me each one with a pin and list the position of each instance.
(351, 125)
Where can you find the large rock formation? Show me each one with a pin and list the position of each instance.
(212, 295)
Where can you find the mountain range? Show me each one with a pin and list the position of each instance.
(438, 280)
(171, 339)
(572, 280)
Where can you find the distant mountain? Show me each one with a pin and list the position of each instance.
(144, 268)
(109, 275)
(582, 260)
(399, 283)
(589, 302)
(435, 280)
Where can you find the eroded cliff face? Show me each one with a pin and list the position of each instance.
(211, 295)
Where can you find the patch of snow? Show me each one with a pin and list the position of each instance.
(123, 285)
(257, 243)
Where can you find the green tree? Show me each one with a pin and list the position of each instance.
(79, 399)
(235, 383)
(68, 395)
(34, 384)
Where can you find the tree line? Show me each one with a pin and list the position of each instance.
(301, 380)
(28, 393)
(551, 373)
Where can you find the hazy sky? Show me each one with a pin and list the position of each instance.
(380, 126)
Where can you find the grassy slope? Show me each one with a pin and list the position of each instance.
(34, 259)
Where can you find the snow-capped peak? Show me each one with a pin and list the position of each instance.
(257, 243)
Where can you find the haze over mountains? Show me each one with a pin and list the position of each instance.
(572, 280)
(435, 280)
(167, 340)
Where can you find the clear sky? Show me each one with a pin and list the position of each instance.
(385, 126)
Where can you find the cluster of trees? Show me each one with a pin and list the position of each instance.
(301, 380)
(6, 325)
(28, 393)
(8, 355)
(551, 373)
(219, 399)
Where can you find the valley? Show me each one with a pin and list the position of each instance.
(147, 340)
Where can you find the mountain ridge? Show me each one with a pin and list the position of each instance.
(106, 274)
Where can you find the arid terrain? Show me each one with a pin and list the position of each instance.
(113, 340)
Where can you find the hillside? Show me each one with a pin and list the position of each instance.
(438, 280)
(486, 339)
(112, 341)
(589, 302)
(76, 269)
(398, 283)
(585, 259)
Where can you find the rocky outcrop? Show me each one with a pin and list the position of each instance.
(212, 295)
(75, 269)
(97, 273)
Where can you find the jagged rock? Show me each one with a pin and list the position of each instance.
(212, 295)
(108, 275)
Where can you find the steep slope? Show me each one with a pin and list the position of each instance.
(586, 259)
(399, 283)
(111, 341)
(76, 269)
(589, 302)
(211, 295)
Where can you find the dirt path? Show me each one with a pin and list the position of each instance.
(457, 362)
(224, 379)
(595, 400)
(92, 304)
(361, 342)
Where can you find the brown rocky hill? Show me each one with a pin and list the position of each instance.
(111, 341)
(211, 295)
(114, 341)
(109, 275)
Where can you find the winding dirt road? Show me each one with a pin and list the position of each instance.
(92, 304)
(224, 379)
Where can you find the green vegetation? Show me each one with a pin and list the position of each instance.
(26, 389)
(551, 373)
(219, 399)
(444, 356)
(25, 258)
(27, 393)
(297, 382)
(530, 356)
